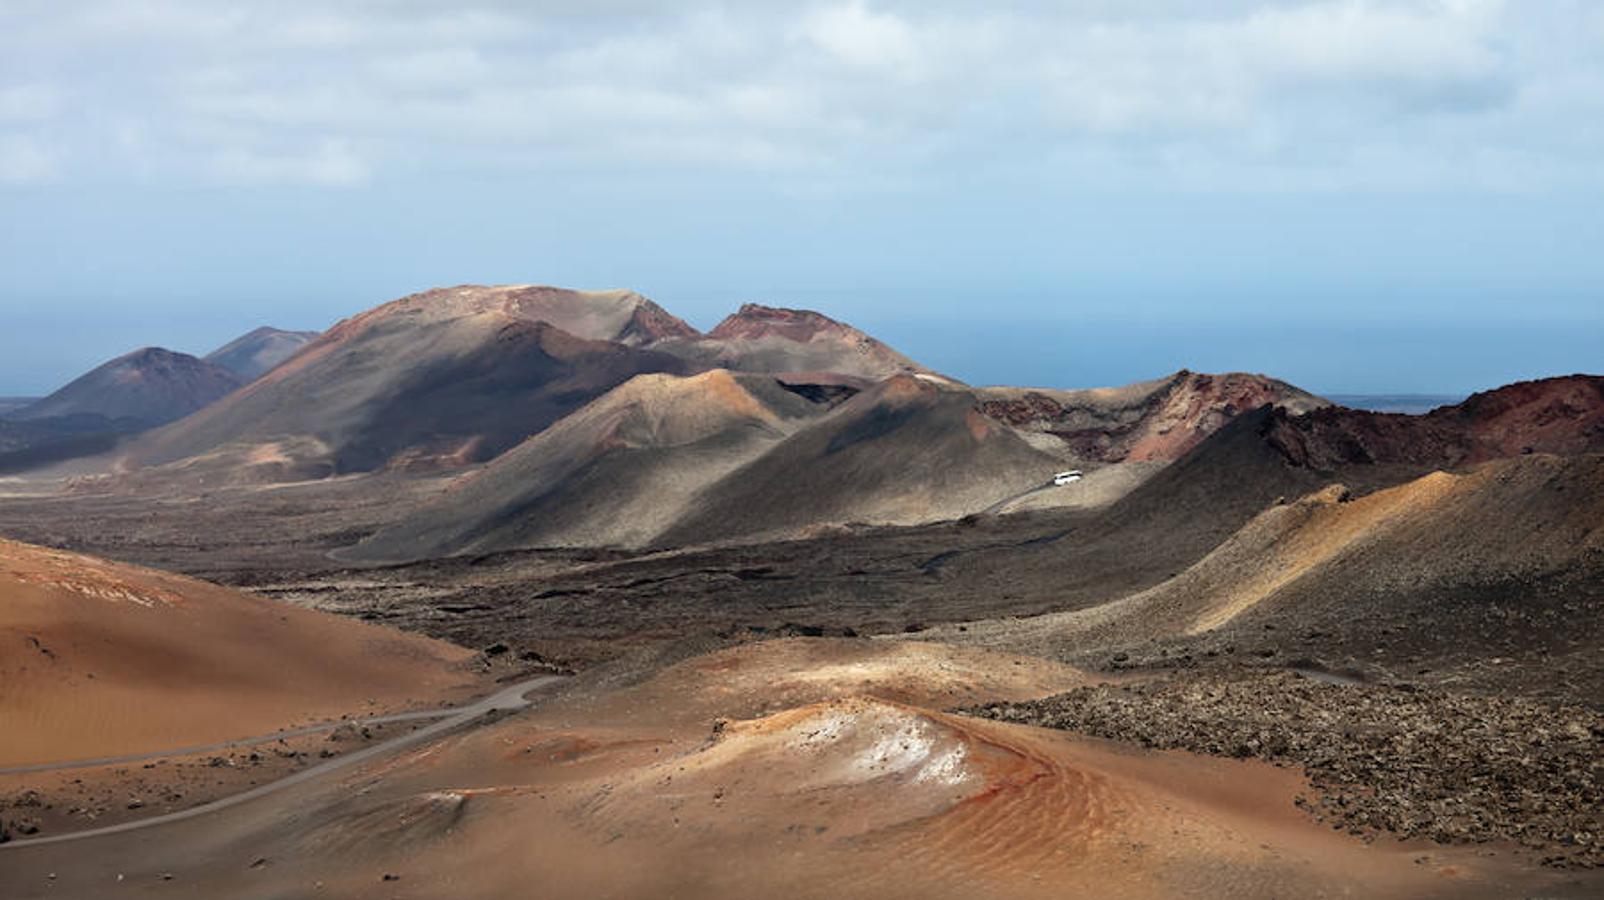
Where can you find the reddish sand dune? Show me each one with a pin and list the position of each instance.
(643, 792)
(100, 659)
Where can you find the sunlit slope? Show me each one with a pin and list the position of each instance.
(100, 658)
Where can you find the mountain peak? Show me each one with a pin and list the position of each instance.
(151, 385)
(254, 353)
(621, 316)
(754, 320)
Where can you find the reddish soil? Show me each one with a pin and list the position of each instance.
(1556, 415)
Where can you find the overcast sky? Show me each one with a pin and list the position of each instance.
(1355, 195)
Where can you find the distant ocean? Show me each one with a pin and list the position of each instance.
(1395, 403)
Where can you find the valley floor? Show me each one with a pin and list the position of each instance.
(926, 711)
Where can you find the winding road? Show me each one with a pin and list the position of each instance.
(510, 698)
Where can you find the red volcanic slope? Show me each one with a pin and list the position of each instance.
(768, 339)
(1562, 415)
(456, 375)
(756, 321)
(1156, 420)
(440, 378)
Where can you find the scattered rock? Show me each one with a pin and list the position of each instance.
(1456, 768)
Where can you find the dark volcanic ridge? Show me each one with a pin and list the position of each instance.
(1554, 415)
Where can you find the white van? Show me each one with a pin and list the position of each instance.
(1063, 478)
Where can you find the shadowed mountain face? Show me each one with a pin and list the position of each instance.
(749, 456)
(619, 471)
(907, 450)
(150, 386)
(252, 354)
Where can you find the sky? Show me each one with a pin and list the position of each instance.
(1359, 196)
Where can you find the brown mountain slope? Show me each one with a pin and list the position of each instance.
(452, 375)
(618, 471)
(908, 450)
(768, 339)
(149, 387)
(100, 658)
(252, 354)
(913, 449)
(1507, 558)
(1268, 454)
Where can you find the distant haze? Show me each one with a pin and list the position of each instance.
(1358, 196)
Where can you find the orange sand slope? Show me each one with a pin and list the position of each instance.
(101, 659)
(816, 785)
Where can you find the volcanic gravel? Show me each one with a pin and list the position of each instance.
(1455, 768)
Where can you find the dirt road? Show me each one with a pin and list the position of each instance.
(510, 698)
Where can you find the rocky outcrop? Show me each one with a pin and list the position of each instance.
(1159, 420)
(1556, 415)
(1417, 764)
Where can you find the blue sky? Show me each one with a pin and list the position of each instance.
(1356, 196)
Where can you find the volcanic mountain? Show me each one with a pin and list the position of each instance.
(147, 387)
(1157, 420)
(914, 449)
(907, 450)
(1554, 415)
(459, 375)
(252, 354)
(769, 339)
(447, 376)
(100, 658)
(663, 461)
(1498, 560)
(619, 471)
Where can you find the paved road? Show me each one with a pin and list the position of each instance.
(1006, 502)
(508, 699)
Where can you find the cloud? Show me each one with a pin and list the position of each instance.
(24, 161)
(1328, 91)
(28, 102)
(858, 36)
(332, 163)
